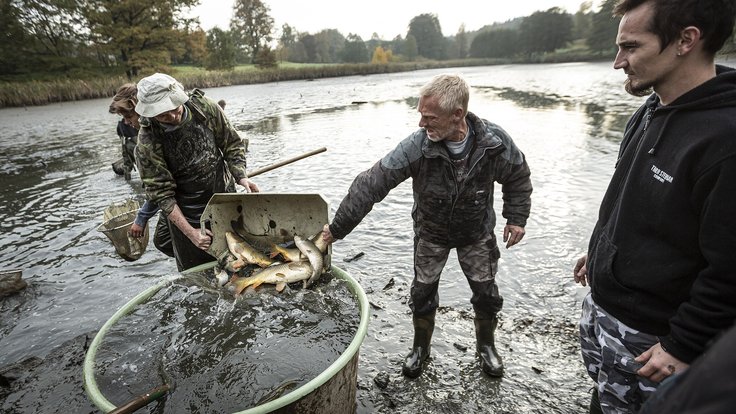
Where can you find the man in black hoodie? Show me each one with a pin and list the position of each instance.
(661, 263)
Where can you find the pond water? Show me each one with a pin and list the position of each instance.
(223, 355)
(566, 118)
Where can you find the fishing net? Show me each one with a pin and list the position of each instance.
(117, 220)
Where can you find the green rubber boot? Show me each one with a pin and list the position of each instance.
(423, 328)
(490, 361)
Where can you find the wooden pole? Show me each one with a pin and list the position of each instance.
(142, 400)
(284, 162)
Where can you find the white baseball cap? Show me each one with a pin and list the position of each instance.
(159, 93)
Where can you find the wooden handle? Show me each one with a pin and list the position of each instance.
(284, 162)
(142, 400)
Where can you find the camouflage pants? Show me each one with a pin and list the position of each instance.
(479, 262)
(609, 348)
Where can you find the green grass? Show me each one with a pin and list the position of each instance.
(41, 92)
(92, 85)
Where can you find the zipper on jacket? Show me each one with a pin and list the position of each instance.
(616, 209)
(647, 120)
(457, 189)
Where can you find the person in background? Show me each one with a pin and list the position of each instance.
(123, 104)
(660, 262)
(454, 159)
(246, 141)
(187, 150)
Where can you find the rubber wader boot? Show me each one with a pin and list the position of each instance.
(423, 328)
(595, 403)
(490, 361)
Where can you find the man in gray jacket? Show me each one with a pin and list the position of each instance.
(453, 159)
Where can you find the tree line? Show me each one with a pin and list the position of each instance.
(79, 37)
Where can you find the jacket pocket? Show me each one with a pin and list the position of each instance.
(600, 263)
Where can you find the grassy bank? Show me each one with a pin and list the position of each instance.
(42, 91)
(28, 93)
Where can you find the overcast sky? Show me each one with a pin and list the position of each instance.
(388, 18)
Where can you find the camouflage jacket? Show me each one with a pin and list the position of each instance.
(184, 166)
(445, 211)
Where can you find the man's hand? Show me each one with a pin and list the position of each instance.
(327, 234)
(136, 230)
(201, 239)
(580, 272)
(250, 186)
(513, 234)
(658, 364)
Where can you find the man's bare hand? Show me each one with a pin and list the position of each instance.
(513, 234)
(659, 364)
(580, 272)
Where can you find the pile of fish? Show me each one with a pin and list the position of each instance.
(246, 266)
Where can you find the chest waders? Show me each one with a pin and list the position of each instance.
(198, 167)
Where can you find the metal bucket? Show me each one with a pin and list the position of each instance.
(332, 391)
(117, 220)
(264, 218)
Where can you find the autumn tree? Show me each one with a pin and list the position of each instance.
(195, 47)
(380, 56)
(251, 27)
(427, 32)
(395, 46)
(141, 34)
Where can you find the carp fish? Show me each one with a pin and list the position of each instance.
(279, 275)
(242, 250)
(313, 255)
(293, 254)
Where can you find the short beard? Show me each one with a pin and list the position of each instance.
(640, 91)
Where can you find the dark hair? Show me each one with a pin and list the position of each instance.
(714, 18)
(124, 100)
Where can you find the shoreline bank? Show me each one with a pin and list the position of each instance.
(35, 93)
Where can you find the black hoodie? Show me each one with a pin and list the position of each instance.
(662, 257)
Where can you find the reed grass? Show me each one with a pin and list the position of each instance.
(29, 93)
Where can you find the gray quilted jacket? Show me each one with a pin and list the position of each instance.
(444, 211)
